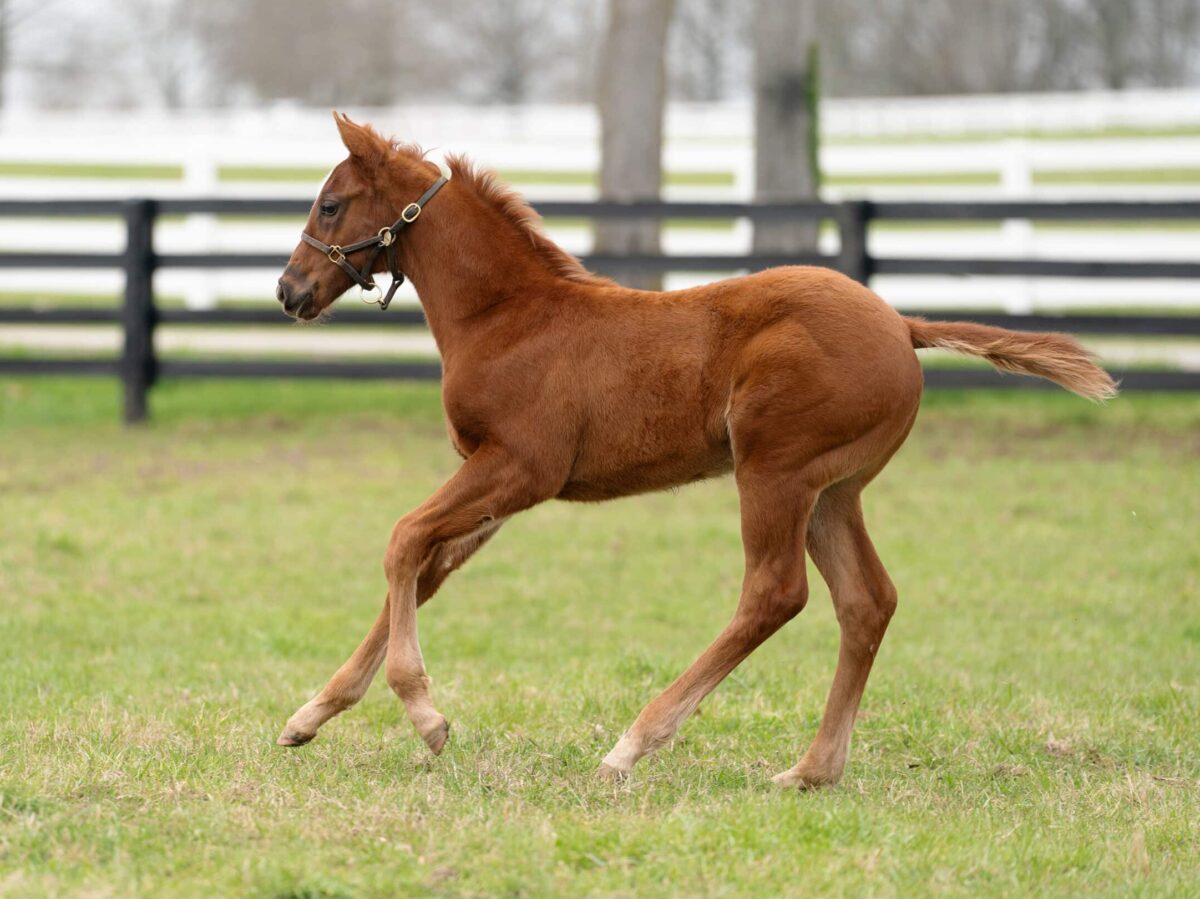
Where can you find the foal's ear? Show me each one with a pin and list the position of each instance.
(363, 142)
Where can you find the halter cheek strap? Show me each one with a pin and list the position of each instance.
(383, 242)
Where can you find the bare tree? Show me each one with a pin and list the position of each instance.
(172, 53)
(974, 46)
(709, 44)
(12, 14)
(785, 166)
(940, 46)
(84, 65)
(1113, 26)
(349, 52)
(165, 44)
(513, 51)
(632, 95)
(1172, 37)
(1054, 33)
(1152, 42)
(5, 25)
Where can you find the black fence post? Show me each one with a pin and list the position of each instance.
(854, 220)
(137, 314)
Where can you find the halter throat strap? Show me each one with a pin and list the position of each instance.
(382, 242)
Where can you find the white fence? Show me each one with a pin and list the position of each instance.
(869, 151)
(700, 138)
(988, 114)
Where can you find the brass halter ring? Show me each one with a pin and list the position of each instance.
(372, 297)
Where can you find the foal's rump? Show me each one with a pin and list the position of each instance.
(1056, 357)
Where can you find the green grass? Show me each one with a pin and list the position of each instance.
(1029, 134)
(1166, 175)
(137, 171)
(53, 299)
(868, 179)
(169, 594)
(1177, 175)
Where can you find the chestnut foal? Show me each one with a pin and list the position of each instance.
(561, 384)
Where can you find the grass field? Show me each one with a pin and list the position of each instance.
(169, 595)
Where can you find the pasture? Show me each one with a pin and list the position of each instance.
(170, 594)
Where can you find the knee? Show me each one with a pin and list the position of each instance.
(404, 548)
(776, 599)
(790, 600)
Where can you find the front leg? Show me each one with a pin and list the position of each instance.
(491, 486)
(351, 681)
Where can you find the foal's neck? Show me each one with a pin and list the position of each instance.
(467, 259)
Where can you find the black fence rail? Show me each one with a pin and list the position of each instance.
(138, 366)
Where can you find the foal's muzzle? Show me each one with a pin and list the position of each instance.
(296, 302)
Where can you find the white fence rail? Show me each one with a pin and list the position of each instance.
(869, 151)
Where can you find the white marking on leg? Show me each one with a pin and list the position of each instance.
(624, 755)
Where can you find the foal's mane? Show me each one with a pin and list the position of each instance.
(510, 204)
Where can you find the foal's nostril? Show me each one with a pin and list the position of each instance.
(293, 300)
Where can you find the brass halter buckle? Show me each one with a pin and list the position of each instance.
(384, 239)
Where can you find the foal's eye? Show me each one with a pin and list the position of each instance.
(328, 207)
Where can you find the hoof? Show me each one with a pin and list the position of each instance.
(293, 738)
(436, 738)
(609, 774)
(791, 778)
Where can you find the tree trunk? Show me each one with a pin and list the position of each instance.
(785, 164)
(4, 24)
(1116, 27)
(632, 97)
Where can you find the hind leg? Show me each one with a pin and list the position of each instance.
(775, 511)
(864, 600)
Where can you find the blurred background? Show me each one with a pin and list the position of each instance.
(175, 55)
(708, 101)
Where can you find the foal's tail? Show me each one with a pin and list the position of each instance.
(1056, 357)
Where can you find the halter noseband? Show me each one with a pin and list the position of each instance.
(384, 240)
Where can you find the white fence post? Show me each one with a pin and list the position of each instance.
(200, 180)
(1016, 183)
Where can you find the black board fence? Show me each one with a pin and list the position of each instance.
(139, 367)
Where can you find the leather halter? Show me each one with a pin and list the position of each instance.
(385, 240)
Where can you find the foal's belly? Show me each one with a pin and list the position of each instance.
(591, 482)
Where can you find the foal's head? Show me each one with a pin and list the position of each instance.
(364, 193)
